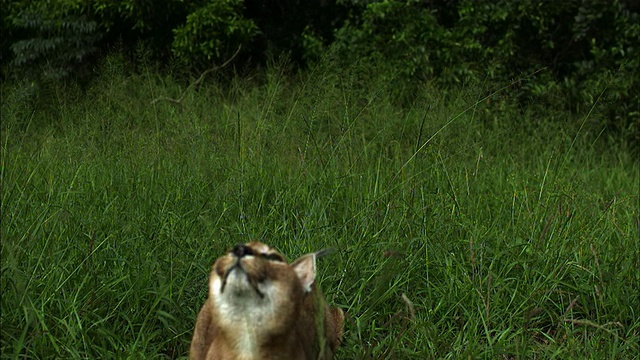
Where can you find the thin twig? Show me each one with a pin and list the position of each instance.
(600, 278)
(409, 303)
(199, 80)
(595, 325)
(563, 318)
(571, 305)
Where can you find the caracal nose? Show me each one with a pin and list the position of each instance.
(241, 250)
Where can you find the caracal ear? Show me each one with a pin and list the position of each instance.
(305, 268)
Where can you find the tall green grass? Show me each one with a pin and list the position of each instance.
(465, 228)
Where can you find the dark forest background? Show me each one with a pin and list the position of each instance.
(577, 49)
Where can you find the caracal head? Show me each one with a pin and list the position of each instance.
(254, 283)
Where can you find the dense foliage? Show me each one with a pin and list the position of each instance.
(577, 49)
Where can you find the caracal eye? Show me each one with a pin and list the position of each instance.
(273, 257)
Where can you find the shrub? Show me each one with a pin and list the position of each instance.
(53, 44)
(584, 48)
(212, 33)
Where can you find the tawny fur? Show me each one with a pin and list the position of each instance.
(260, 307)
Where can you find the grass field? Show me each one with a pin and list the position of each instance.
(465, 227)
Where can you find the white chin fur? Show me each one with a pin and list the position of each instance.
(238, 285)
(239, 295)
(241, 307)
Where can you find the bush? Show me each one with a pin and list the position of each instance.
(212, 33)
(583, 47)
(54, 43)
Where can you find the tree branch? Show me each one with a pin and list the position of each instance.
(198, 81)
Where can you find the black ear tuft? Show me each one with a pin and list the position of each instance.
(325, 252)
